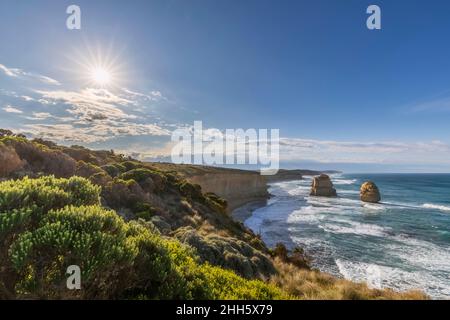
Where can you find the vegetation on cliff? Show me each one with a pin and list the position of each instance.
(137, 230)
(47, 224)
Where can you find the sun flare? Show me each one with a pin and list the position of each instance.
(97, 67)
(101, 76)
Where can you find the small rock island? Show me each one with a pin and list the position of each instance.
(323, 187)
(369, 192)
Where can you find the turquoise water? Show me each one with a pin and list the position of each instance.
(401, 243)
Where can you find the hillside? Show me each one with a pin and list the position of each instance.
(137, 230)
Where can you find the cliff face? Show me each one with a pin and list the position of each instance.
(238, 187)
(285, 175)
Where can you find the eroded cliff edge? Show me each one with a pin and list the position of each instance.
(236, 186)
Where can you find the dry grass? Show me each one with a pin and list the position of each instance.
(315, 285)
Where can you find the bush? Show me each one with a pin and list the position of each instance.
(150, 180)
(296, 257)
(40, 158)
(10, 160)
(143, 210)
(191, 191)
(47, 224)
(131, 165)
(138, 175)
(225, 285)
(85, 169)
(47, 193)
(114, 169)
(123, 193)
(227, 252)
(79, 153)
(90, 237)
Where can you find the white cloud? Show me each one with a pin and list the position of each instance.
(19, 73)
(48, 80)
(90, 104)
(96, 115)
(156, 94)
(11, 72)
(136, 96)
(27, 98)
(329, 151)
(98, 132)
(11, 109)
(40, 116)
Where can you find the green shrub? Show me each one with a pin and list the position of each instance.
(215, 198)
(120, 193)
(143, 210)
(86, 169)
(47, 224)
(139, 175)
(226, 285)
(47, 193)
(114, 169)
(90, 237)
(150, 180)
(130, 165)
(192, 191)
(296, 257)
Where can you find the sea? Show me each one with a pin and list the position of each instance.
(401, 243)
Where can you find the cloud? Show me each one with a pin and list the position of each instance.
(86, 115)
(19, 73)
(90, 104)
(98, 132)
(94, 115)
(156, 94)
(47, 80)
(11, 109)
(293, 149)
(137, 96)
(27, 98)
(11, 72)
(40, 116)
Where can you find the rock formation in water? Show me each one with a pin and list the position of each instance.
(369, 192)
(323, 187)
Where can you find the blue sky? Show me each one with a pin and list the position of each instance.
(342, 96)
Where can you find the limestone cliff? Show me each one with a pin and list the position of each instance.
(238, 187)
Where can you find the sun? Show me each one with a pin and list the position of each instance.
(101, 67)
(101, 76)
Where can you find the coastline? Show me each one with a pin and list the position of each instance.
(245, 211)
(337, 232)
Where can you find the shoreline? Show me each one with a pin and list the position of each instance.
(336, 222)
(245, 211)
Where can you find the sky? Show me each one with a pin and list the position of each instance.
(343, 97)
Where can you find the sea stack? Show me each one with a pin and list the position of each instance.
(369, 192)
(323, 187)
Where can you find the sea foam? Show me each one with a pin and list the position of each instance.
(436, 206)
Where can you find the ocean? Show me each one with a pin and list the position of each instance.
(401, 243)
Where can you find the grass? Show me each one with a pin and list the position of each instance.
(314, 285)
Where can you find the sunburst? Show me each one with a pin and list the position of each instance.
(97, 67)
